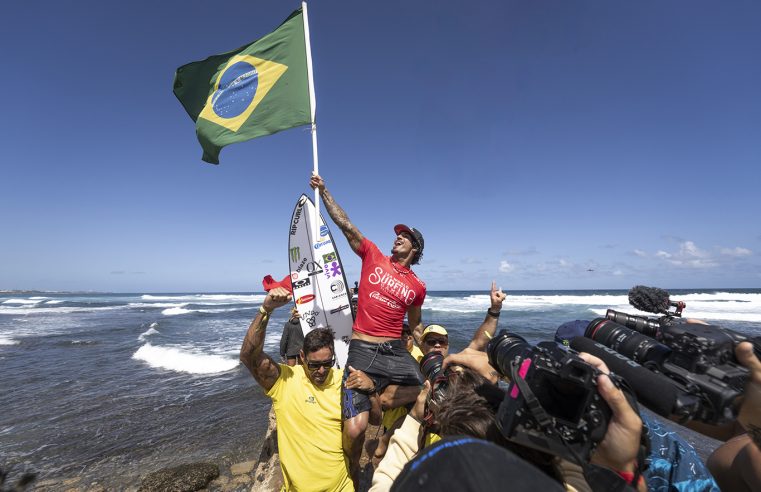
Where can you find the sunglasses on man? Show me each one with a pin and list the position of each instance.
(313, 365)
(432, 342)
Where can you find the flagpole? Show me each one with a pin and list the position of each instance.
(312, 104)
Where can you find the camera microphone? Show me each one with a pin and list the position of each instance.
(655, 391)
(653, 300)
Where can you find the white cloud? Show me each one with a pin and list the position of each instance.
(618, 273)
(688, 256)
(640, 253)
(505, 267)
(737, 251)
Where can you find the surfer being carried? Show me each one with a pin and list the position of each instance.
(388, 289)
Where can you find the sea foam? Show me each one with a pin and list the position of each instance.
(175, 311)
(7, 341)
(176, 359)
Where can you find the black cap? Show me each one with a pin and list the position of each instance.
(417, 237)
(465, 463)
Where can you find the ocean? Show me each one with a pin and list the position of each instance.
(110, 387)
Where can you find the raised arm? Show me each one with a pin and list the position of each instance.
(264, 369)
(484, 333)
(353, 236)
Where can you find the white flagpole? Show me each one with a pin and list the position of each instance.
(312, 103)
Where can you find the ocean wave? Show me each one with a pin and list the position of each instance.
(150, 331)
(53, 302)
(8, 341)
(23, 301)
(179, 360)
(156, 304)
(207, 298)
(175, 311)
(480, 302)
(54, 310)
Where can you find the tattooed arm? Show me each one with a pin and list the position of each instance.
(353, 236)
(264, 369)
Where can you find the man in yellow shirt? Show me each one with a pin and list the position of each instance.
(307, 402)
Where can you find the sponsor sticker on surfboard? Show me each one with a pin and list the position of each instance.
(319, 285)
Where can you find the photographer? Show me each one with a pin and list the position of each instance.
(468, 408)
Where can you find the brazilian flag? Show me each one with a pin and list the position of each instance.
(256, 90)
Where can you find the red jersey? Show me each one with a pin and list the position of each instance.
(386, 290)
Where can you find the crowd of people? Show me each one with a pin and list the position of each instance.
(448, 435)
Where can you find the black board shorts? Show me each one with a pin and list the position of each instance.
(385, 363)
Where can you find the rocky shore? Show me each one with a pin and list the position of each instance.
(261, 474)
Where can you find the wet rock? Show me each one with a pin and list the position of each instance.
(242, 468)
(183, 478)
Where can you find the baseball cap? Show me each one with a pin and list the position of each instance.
(465, 463)
(434, 329)
(416, 235)
(570, 330)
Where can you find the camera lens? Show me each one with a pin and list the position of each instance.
(430, 366)
(637, 323)
(629, 343)
(504, 348)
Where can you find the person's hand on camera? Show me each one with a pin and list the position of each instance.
(418, 409)
(473, 359)
(618, 449)
(750, 410)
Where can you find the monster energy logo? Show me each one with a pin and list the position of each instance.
(295, 254)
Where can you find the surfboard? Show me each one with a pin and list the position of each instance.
(320, 290)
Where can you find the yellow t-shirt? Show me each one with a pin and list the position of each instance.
(391, 415)
(309, 431)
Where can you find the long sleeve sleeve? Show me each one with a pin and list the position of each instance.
(402, 447)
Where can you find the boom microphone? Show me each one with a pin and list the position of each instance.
(655, 391)
(653, 300)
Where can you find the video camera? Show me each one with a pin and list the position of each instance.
(699, 366)
(698, 358)
(552, 403)
(669, 328)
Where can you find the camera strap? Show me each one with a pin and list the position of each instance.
(532, 402)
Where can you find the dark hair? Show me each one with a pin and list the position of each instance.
(470, 408)
(419, 255)
(317, 339)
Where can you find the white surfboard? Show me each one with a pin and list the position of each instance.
(320, 290)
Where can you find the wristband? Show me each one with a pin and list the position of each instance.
(632, 478)
(264, 312)
(492, 314)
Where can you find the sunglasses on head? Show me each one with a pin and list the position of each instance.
(313, 365)
(431, 342)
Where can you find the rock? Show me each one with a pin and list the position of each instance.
(268, 474)
(183, 478)
(241, 468)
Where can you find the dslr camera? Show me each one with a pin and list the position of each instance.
(430, 366)
(552, 403)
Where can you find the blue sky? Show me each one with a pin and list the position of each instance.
(547, 145)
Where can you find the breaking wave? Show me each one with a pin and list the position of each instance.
(179, 360)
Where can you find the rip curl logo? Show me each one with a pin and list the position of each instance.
(391, 285)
